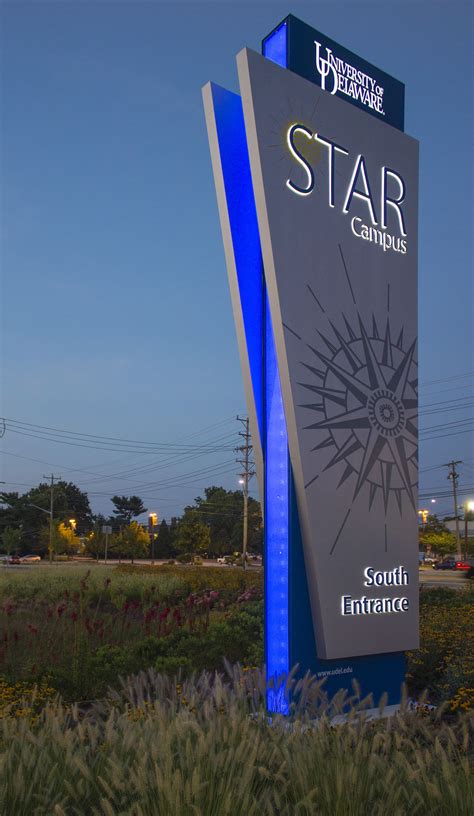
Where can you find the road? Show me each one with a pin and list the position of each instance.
(114, 562)
(446, 578)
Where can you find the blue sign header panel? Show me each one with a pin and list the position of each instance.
(337, 70)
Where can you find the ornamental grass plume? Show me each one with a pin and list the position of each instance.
(163, 746)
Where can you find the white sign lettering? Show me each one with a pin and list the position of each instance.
(378, 606)
(391, 197)
(338, 75)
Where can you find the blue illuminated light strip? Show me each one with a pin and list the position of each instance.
(277, 487)
(242, 214)
(277, 653)
(229, 118)
(274, 47)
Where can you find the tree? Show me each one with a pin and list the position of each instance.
(435, 537)
(126, 507)
(192, 535)
(69, 502)
(94, 542)
(30, 511)
(222, 511)
(164, 547)
(11, 511)
(63, 541)
(173, 533)
(11, 540)
(439, 543)
(434, 525)
(133, 541)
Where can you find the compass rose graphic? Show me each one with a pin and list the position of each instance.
(366, 385)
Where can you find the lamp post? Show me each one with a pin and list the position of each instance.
(424, 516)
(152, 521)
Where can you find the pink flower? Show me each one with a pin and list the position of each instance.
(246, 596)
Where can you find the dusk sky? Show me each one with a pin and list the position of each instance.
(117, 318)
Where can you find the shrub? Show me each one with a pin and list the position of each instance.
(161, 747)
(227, 581)
(185, 558)
(444, 663)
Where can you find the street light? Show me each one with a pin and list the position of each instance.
(73, 524)
(152, 521)
(424, 516)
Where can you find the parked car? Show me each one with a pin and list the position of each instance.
(448, 563)
(469, 573)
(28, 559)
(464, 564)
(14, 559)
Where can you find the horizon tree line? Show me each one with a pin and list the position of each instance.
(211, 526)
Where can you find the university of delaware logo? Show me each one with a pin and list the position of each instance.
(325, 67)
(339, 76)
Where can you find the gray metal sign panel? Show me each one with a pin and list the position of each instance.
(337, 202)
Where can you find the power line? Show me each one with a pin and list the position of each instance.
(125, 447)
(88, 437)
(447, 379)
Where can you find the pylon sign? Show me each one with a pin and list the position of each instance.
(319, 208)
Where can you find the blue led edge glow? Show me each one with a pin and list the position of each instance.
(277, 651)
(274, 47)
(242, 213)
(277, 486)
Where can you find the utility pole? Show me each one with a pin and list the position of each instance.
(51, 508)
(245, 477)
(453, 476)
